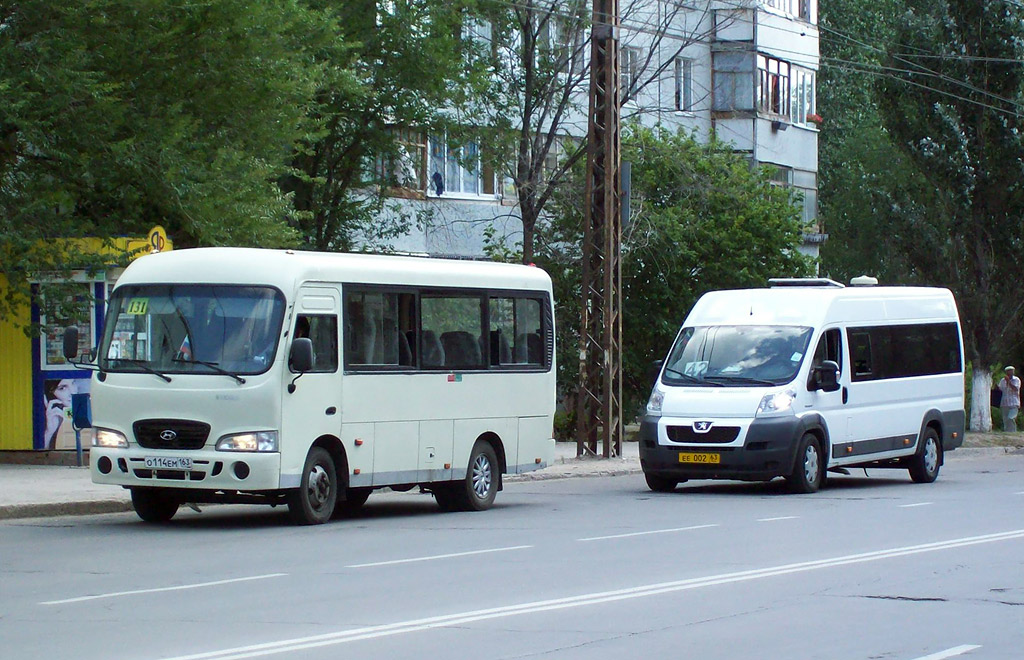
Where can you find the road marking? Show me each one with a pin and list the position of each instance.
(653, 531)
(462, 618)
(908, 506)
(432, 557)
(1020, 493)
(778, 518)
(949, 653)
(181, 587)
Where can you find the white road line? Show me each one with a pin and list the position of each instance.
(949, 653)
(653, 531)
(448, 556)
(778, 518)
(908, 506)
(1020, 493)
(181, 587)
(461, 618)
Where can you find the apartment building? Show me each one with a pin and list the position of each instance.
(743, 71)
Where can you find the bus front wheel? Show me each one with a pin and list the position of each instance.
(152, 505)
(924, 466)
(313, 502)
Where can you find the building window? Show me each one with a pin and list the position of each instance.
(684, 84)
(405, 168)
(803, 97)
(773, 93)
(733, 73)
(456, 169)
(629, 71)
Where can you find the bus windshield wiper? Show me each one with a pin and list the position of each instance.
(141, 364)
(691, 379)
(741, 379)
(215, 367)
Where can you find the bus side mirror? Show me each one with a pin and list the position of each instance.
(301, 357)
(825, 377)
(70, 343)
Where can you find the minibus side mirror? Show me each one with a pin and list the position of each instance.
(301, 357)
(653, 370)
(70, 343)
(825, 377)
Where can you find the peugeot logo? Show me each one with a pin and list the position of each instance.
(167, 435)
(701, 427)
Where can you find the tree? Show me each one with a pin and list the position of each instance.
(121, 115)
(953, 106)
(701, 220)
(532, 119)
(398, 68)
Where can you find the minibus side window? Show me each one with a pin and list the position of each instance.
(860, 355)
(830, 347)
(379, 329)
(452, 332)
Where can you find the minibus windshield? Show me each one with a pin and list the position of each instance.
(736, 355)
(192, 328)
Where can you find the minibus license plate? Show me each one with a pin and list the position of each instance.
(168, 463)
(699, 457)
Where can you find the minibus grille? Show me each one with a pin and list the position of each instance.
(716, 434)
(171, 433)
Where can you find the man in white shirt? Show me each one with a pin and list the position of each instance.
(1010, 405)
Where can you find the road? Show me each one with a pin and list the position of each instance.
(873, 567)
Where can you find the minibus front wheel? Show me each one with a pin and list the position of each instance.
(924, 466)
(660, 484)
(313, 502)
(152, 505)
(809, 468)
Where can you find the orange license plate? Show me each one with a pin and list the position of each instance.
(701, 457)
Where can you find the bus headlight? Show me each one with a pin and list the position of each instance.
(255, 441)
(776, 402)
(106, 438)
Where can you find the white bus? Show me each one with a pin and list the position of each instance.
(284, 377)
(804, 377)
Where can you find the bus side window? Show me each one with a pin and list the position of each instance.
(323, 332)
(830, 347)
(860, 355)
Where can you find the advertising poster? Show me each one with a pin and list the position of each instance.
(58, 431)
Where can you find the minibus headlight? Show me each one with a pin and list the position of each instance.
(776, 402)
(654, 403)
(106, 438)
(257, 441)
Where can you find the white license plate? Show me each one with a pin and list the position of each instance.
(168, 463)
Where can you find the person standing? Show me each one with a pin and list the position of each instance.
(1010, 405)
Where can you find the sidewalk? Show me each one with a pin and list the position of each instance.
(31, 491)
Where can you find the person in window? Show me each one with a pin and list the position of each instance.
(1010, 404)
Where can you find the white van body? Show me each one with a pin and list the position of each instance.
(188, 408)
(756, 407)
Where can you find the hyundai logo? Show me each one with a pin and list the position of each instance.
(701, 427)
(167, 435)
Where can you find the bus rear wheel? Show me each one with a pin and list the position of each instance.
(152, 505)
(477, 491)
(313, 502)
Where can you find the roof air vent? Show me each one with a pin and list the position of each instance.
(864, 280)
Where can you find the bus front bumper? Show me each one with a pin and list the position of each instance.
(210, 470)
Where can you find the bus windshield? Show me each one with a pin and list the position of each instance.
(736, 356)
(202, 329)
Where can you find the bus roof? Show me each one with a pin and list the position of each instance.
(819, 306)
(287, 269)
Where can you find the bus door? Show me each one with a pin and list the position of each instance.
(313, 409)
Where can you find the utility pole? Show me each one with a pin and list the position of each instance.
(599, 404)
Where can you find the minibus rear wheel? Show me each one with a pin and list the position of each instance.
(478, 490)
(809, 469)
(313, 502)
(924, 466)
(152, 505)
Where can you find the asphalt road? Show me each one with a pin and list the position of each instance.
(873, 567)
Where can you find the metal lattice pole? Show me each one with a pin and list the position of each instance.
(599, 405)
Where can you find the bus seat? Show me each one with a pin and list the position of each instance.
(433, 352)
(461, 349)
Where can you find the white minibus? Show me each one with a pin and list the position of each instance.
(229, 375)
(804, 377)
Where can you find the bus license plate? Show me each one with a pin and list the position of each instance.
(699, 457)
(168, 463)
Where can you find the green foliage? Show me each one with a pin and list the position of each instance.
(120, 115)
(702, 220)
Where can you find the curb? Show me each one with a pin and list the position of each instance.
(53, 509)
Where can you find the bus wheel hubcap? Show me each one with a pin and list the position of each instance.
(481, 476)
(319, 486)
